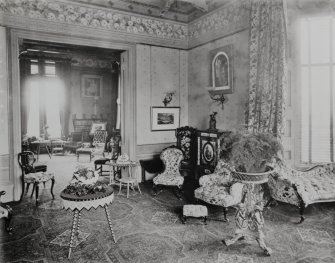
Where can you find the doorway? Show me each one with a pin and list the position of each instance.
(126, 96)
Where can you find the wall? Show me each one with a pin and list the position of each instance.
(5, 183)
(84, 106)
(159, 70)
(200, 104)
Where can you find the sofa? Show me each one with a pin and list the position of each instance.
(219, 188)
(302, 188)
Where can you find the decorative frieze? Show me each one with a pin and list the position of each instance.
(57, 11)
(229, 18)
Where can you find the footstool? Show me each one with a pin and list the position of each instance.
(195, 211)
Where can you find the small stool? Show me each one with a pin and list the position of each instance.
(194, 211)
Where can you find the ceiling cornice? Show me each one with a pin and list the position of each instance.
(224, 20)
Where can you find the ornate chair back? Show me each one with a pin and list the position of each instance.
(172, 158)
(26, 161)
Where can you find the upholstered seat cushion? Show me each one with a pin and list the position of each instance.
(169, 179)
(39, 177)
(317, 185)
(314, 185)
(220, 195)
(195, 210)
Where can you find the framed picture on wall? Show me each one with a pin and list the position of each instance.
(165, 118)
(91, 85)
(222, 69)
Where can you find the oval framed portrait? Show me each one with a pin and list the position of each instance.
(208, 152)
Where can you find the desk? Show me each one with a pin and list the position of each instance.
(40, 144)
(129, 180)
(78, 203)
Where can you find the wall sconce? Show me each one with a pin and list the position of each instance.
(168, 98)
(217, 95)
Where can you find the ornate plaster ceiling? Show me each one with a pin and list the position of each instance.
(179, 10)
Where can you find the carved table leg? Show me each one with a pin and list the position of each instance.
(76, 214)
(109, 222)
(225, 214)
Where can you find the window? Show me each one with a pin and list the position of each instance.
(317, 78)
(45, 100)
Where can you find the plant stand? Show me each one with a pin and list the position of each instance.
(249, 216)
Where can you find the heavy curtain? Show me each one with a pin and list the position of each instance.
(267, 77)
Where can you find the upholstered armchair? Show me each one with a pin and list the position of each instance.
(6, 213)
(171, 157)
(219, 188)
(302, 188)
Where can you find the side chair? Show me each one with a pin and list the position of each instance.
(33, 174)
(171, 157)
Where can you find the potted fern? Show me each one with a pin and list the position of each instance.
(249, 152)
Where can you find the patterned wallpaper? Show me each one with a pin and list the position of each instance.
(231, 16)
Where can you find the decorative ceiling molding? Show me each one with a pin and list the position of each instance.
(227, 19)
(79, 14)
(231, 18)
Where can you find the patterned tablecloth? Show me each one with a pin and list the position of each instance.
(87, 202)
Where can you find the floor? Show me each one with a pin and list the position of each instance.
(149, 230)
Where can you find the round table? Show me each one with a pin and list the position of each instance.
(78, 203)
(129, 180)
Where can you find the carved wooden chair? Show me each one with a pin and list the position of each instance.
(171, 157)
(33, 174)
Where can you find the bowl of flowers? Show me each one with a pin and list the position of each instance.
(85, 175)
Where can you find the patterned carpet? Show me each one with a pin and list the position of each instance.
(149, 230)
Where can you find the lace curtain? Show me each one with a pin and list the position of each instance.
(267, 79)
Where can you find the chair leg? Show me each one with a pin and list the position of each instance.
(138, 186)
(27, 187)
(8, 219)
(225, 214)
(52, 188)
(37, 190)
(32, 192)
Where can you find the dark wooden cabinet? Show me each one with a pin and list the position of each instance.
(187, 142)
(208, 150)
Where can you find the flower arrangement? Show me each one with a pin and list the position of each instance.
(250, 152)
(84, 175)
(79, 189)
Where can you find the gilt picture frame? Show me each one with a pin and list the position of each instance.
(165, 118)
(91, 86)
(222, 69)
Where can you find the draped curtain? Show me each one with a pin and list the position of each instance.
(63, 72)
(267, 78)
(24, 75)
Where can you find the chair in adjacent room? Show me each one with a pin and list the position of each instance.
(33, 173)
(74, 142)
(171, 157)
(112, 152)
(219, 188)
(57, 147)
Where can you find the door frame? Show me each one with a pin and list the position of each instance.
(128, 93)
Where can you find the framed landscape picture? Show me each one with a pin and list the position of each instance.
(165, 118)
(91, 85)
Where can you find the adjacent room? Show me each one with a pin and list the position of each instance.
(167, 131)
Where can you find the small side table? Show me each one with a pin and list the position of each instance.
(129, 180)
(78, 203)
